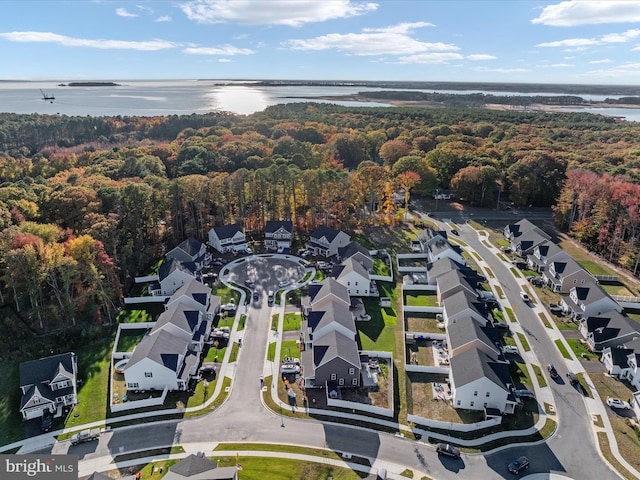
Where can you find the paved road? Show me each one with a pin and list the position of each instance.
(244, 419)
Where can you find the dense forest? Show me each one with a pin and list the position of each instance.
(87, 203)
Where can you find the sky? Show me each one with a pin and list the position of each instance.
(524, 41)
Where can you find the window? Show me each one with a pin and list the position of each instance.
(458, 403)
(471, 404)
(341, 381)
(475, 394)
(333, 376)
(148, 374)
(488, 394)
(132, 385)
(352, 371)
(356, 283)
(348, 284)
(485, 404)
(575, 281)
(354, 381)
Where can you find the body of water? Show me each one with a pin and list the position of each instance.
(183, 97)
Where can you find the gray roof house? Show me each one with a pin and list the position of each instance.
(198, 467)
(463, 304)
(278, 234)
(541, 254)
(524, 244)
(616, 360)
(465, 333)
(608, 329)
(326, 291)
(197, 296)
(430, 235)
(479, 381)
(187, 324)
(443, 249)
(454, 281)
(356, 278)
(442, 266)
(563, 273)
(190, 250)
(228, 238)
(172, 274)
(334, 357)
(48, 385)
(326, 241)
(588, 300)
(357, 252)
(514, 230)
(333, 316)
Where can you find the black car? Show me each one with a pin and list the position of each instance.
(454, 231)
(47, 421)
(256, 296)
(448, 450)
(553, 372)
(519, 464)
(501, 325)
(573, 380)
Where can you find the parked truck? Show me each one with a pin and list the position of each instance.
(85, 436)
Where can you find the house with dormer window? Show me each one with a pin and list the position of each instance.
(190, 251)
(228, 238)
(48, 385)
(278, 234)
(588, 300)
(564, 273)
(326, 241)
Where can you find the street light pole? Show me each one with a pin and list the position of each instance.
(281, 417)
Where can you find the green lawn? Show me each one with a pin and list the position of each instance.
(510, 314)
(380, 267)
(538, 372)
(129, 339)
(292, 321)
(579, 350)
(562, 349)
(421, 299)
(523, 341)
(133, 316)
(379, 332)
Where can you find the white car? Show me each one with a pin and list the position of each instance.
(524, 297)
(617, 403)
(284, 283)
(510, 349)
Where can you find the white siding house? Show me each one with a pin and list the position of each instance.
(228, 238)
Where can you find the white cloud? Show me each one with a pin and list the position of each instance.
(224, 60)
(604, 60)
(573, 12)
(480, 56)
(103, 44)
(393, 40)
(123, 13)
(558, 65)
(607, 39)
(625, 70)
(293, 13)
(163, 18)
(145, 9)
(501, 70)
(223, 50)
(431, 58)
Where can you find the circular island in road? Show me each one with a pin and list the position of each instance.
(265, 272)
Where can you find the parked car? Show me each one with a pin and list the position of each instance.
(524, 393)
(284, 283)
(617, 403)
(501, 325)
(524, 297)
(249, 284)
(256, 296)
(510, 349)
(448, 450)
(553, 372)
(555, 308)
(519, 464)
(519, 264)
(47, 421)
(454, 231)
(573, 380)
(506, 249)
(290, 368)
(537, 282)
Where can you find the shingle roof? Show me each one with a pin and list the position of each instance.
(162, 348)
(328, 286)
(620, 356)
(180, 315)
(335, 345)
(45, 369)
(351, 249)
(194, 289)
(191, 246)
(171, 266)
(227, 231)
(348, 266)
(332, 312)
(455, 278)
(474, 364)
(324, 231)
(466, 330)
(274, 225)
(444, 265)
(462, 301)
(611, 325)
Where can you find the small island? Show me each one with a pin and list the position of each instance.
(89, 84)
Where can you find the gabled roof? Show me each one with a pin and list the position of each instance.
(455, 278)
(335, 345)
(620, 356)
(227, 231)
(348, 266)
(462, 301)
(518, 228)
(329, 286)
(198, 467)
(332, 312)
(167, 268)
(589, 293)
(323, 231)
(163, 348)
(191, 246)
(530, 239)
(565, 266)
(194, 289)
(430, 234)
(548, 249)
(273, 226)
(474, 364)
(442, 266)
(441, 245)
(180, 315)
(466, 330)
(351, 249)
(46, 369)
(611, 325)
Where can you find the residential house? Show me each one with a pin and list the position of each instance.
(355, 277)
(196, 296)
(479, 381)
(228, 238)
(635, 403)
(334, 357)
(172, 274)
(442, 194)
(454, 281)
(514, 230)
(186, 324)
(616, 360)
(541, 254)
(48, 384)
(443, 266)
(334, 316)
(564, 273)
(464, 304)
(524, 244)
(191, 251)
(329, 290)
(465, 333)
(430, 235)
(609, 329)
(356, 251)
(278, 234)
(198, 467)
(326, 241)
(588, 300)
(443, 249)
